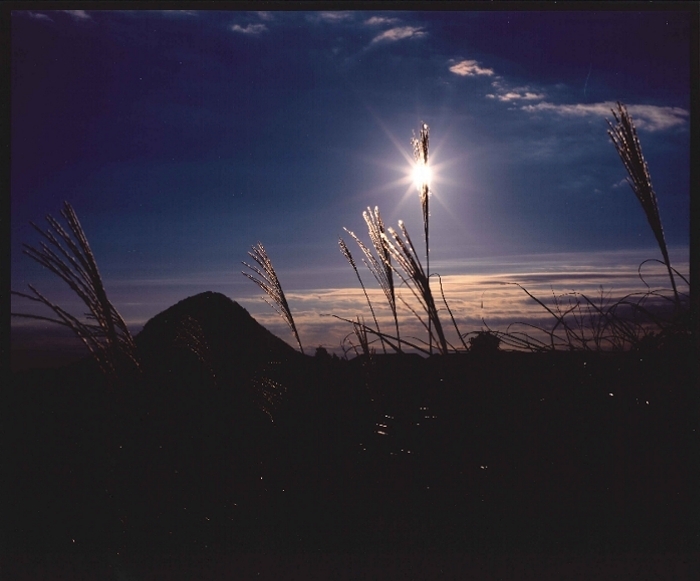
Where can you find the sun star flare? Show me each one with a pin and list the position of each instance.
(422, 175)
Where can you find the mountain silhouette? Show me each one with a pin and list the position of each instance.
(211, 336)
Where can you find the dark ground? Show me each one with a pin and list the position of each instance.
(232, 456)
(495, 467)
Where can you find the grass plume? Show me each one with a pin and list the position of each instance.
(67, 253)
(348, 255)
(267, 280)
(421, 147)
(626, 142)
(379, 265)
(381, 269)
(403, 252)
(635, 320)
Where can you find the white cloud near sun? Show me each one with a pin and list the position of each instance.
(399, 33)
(249, 29)
(470, 68)
(646, 117)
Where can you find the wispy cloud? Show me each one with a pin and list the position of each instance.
(507, 94)
(381, 21)
(265, 15)
(332, 17)
(249, 29)
(180, 12)
(78, 14)
(646, 117)
(39, 16)
(470, 68)
(515, 96)
(502, 90)
(399, 33)
(473, 298)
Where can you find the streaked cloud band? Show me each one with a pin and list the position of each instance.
(648, 117)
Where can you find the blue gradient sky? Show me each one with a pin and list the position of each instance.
(182, 138)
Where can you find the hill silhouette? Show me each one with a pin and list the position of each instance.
(211, 336)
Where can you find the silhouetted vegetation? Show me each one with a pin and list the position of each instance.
(267, 280)
(484, 342)
(69, 257)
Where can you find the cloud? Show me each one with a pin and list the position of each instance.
(399, 33)
(469, 68)
(381, 20)
(332, 17)
(647, 117)
(507, 94)
(249, 29)
(265, 15)
(39, 16)
(180, 12)
(515, 95)
(472, 297)
(78, 14)
(654, 118)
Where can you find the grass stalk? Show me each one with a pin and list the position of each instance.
(624, 137)
(67, 253)
(348, 255)
(382, 269)
(267, 280)
(404, 254)
(421, 146)
(379, 265)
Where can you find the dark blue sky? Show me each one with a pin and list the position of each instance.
(181, 138)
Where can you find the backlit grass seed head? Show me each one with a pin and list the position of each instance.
(421, 176)
(382, 271)
(421, 169)
(269, 282)
(348, 255)
(626, 142)
(67, 254)
(379, 265)
(421, 144)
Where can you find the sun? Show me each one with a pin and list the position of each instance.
(414, 174)
(422, 175)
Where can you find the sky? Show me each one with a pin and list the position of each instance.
(182, 138)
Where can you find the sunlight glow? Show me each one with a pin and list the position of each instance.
(422, 175)
(414, 175)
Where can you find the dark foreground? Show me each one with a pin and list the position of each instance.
(498, 466)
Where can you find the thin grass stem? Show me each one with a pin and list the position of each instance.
(268, 281)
